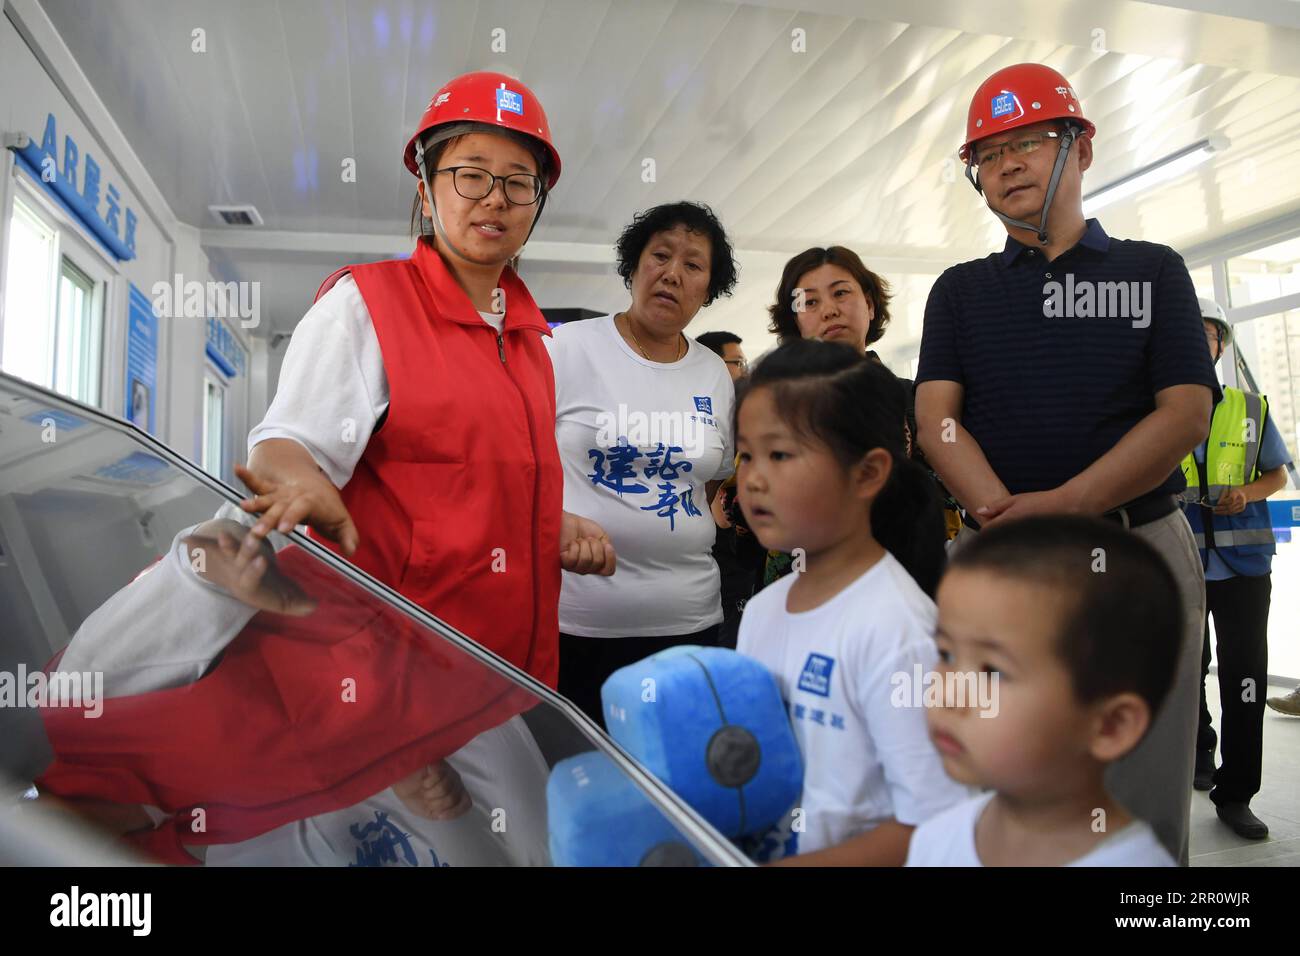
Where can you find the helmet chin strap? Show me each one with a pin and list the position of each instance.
(1062, 153)
(436, 218)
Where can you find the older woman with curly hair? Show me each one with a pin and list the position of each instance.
(643, 424)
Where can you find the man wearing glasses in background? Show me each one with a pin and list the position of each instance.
(727, 347)
(1068, 374)
(740, 557)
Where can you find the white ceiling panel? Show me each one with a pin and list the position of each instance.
(851, 139)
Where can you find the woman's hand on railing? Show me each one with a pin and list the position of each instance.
(287, 493)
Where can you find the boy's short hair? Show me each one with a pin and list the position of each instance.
(1123, 621)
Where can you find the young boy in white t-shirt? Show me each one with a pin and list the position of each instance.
(1078, 621)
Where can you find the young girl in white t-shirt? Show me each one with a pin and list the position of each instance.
(823, 476)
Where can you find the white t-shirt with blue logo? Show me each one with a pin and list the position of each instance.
(865, 759)
(638, 441)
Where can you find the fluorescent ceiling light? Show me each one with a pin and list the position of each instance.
(1162, 170)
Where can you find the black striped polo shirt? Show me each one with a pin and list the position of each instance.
(1058, 360)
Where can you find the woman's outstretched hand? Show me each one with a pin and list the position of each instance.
(585, 548)
(309, 498)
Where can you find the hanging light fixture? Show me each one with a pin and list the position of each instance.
(1162, 170)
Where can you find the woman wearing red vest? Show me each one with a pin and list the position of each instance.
(413, 430)
(424, 450)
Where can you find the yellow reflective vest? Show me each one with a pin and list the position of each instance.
(1231, 460)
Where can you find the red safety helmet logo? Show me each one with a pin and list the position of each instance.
(493, 99)
(1021, 95)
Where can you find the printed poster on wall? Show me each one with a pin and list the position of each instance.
(141, 362)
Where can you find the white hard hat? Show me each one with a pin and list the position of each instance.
(1211, 309)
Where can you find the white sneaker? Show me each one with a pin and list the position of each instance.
(1290, 704)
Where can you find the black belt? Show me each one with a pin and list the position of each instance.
(1140, 512)
(1143, 511)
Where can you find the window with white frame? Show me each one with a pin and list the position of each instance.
(77, 332)
(1203, 280)
(1260, 275)
(54, 315)
(214, 420)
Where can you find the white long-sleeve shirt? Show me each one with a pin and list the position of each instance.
(333, 388)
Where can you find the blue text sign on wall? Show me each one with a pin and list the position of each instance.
(141, 361)
(55, 417)
(224, 349)
(137, 468)
(77, 183)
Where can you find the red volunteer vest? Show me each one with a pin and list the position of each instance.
(457, 500)
(459, 494)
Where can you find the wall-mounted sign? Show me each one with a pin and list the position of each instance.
(141, 361)
(60, 419)
(224, 349)
(137, 468)
(74, 179)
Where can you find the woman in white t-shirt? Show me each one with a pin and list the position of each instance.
(823, 476)
(643, 424)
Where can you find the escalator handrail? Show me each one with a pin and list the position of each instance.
(720, 850)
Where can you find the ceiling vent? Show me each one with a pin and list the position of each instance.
(237, 215)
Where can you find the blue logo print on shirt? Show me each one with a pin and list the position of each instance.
(382, 842)
(1003, 104)
(510, 101)
(704, 403)
(616, 469)
(816, 676)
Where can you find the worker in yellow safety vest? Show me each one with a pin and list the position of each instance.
(1229, 477)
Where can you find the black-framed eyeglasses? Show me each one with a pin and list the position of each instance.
(739, 363)
(1021, 145)
(473, 182)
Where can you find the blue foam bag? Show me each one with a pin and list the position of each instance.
(596, 816)
(710, 723)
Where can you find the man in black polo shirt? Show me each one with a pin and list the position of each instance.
(1068, 374)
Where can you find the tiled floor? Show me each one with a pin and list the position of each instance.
(1277, 803)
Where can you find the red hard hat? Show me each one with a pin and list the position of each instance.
(491, 98)
(1019, 96)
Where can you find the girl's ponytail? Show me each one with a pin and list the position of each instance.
(907, 520)
(853, 405)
